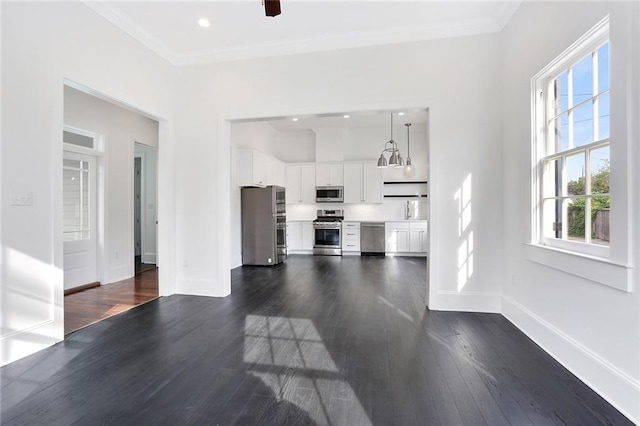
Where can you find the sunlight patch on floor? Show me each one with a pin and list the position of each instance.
(290, 358)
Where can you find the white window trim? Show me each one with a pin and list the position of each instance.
(589, 42)
(98, 142)
(583, 260)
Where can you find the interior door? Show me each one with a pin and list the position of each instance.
(79, 219)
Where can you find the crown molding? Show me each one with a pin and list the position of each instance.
(504, 13)
(351, 40)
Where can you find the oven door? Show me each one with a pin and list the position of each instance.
(327, 241)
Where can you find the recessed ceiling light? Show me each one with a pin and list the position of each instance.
(294, 119)
(401, 113)
(204, 22)
(346, 116)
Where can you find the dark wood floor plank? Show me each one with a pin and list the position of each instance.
(316, 340)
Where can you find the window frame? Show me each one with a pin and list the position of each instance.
(541, 107)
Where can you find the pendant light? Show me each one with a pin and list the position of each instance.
(396, 159)
(408, 147)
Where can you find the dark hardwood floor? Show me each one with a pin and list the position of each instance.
(316, 340)
(95, 304)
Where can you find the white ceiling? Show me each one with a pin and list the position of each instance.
(240, 30)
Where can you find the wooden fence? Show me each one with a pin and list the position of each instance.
(600, 225)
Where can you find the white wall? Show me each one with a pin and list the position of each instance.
(43, 43)
(120, 128)
(465, 140)
(592, 329)
(296, 147)
(149, 203)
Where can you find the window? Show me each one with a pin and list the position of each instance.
(572, 148)
(76, 176)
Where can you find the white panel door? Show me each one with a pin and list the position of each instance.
(353, 183)
(79, 219)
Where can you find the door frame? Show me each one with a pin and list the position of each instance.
(144, 164)
(101, 172)
(224, 168)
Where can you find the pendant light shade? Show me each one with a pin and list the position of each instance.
(382, 162)
(395, 160)
(408, 147)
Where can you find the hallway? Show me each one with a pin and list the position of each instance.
(316, 340)
(89, 306)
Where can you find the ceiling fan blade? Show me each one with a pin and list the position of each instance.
(272, 7)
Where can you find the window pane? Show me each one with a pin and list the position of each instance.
(599, 159)
(603, 68)
(76, 139)
(561, 133)
(562, 93)
(603, 117)
(583, 124)
(552, 219)
(76, 196)
(583, 80)
(575, 209)
(552, 185)
(575, 174)
(600, 220)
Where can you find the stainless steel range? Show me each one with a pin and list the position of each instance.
(328, 232)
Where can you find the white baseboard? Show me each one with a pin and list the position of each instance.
(406, 254)
(22, 343)
(149, 258)
(618, 388)
(465, 302)
(119, 273)
(199, 288)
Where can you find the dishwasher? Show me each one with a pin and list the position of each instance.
(372, 238)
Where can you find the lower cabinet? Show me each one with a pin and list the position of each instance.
(406, 237)
(350, 237)
(308, 236)
(397, 237)
(300, 237)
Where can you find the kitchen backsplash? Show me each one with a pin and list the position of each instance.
(387, 211)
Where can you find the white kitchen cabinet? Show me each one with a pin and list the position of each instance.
(294, 236)
(418, 242)
(252, 167)
(308, 236)
(350, 237)
(362, 183)
(353, 183)
(276, 172)
(371, 183)
(329, 175)
(397, 237)
(300, 184)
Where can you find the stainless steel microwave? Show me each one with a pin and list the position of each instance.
(329, 194)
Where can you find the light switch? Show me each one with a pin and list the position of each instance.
(22, 198)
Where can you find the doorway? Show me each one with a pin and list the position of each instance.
(145, 217)
(80, 212)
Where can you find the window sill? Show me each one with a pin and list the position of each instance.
(599, 270)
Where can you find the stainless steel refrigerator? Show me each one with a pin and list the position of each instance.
(264, 226)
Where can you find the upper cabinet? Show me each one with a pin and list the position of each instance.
(362, 183)
(372, 183)
(300, 184)
(252, 168)
(276, 172)
(329, 175)
(353, 183)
